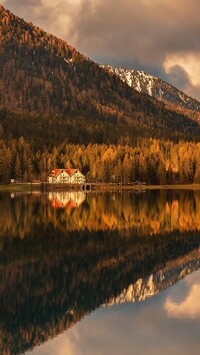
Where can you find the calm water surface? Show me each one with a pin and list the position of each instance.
(102, 273)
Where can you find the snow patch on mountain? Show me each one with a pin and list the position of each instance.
(68, 61)
(155, 87)
(154, 284)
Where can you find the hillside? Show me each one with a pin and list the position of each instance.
(159, 89)
(47, 78)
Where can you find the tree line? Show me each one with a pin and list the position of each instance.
(153, 161)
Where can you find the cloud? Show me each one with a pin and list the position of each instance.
(189, 307)
(184, 71)
(61, 345)
(140, 34)
(54, 16)
(180, 78)
(189, 61)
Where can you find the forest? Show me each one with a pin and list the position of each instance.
(154, 161)
(50, 84)
(60, 109)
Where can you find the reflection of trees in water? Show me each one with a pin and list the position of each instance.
(50, 282)
(149, 213)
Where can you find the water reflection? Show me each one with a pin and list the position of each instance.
(145, 214)
(173, 272)
(189, 307)
(59, 265)
(69, 199)
(140, 328)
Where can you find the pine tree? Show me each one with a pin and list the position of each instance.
(17, 172)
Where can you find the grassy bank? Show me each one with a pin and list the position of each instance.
(102, 187)
(19, 187)
(112, 187)
(174, 187)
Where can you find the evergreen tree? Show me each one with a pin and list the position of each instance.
(17, 172)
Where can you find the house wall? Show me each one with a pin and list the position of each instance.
(64, 178)
(77, 178)
(50, 180)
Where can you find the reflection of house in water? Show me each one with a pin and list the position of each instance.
(68, 199)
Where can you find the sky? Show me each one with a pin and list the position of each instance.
(161, 37)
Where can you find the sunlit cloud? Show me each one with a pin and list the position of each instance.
(189, 62)
(189, 307)
(61, 345)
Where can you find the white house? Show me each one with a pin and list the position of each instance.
(66, 176)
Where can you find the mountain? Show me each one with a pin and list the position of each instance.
(154, 284)
(157, 88)
(47, 86)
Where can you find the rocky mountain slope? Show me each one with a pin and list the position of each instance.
(152, 285)
(43, 75)
(155, 87)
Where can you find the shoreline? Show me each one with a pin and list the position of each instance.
(99, 187)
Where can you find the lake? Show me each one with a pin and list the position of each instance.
(100, 273)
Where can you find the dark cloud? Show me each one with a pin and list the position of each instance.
(144, 30)
(178, 77)
(139, 34)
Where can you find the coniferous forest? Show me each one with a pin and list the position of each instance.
(60, 109)
(151, 160)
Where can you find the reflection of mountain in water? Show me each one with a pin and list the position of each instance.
(50, 282)
(57, 265)
(68, 199)
(156, 283)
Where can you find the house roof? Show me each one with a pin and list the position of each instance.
(71, 172)
(55, 172)
(57, 204)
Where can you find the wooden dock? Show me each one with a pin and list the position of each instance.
(66, 187)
